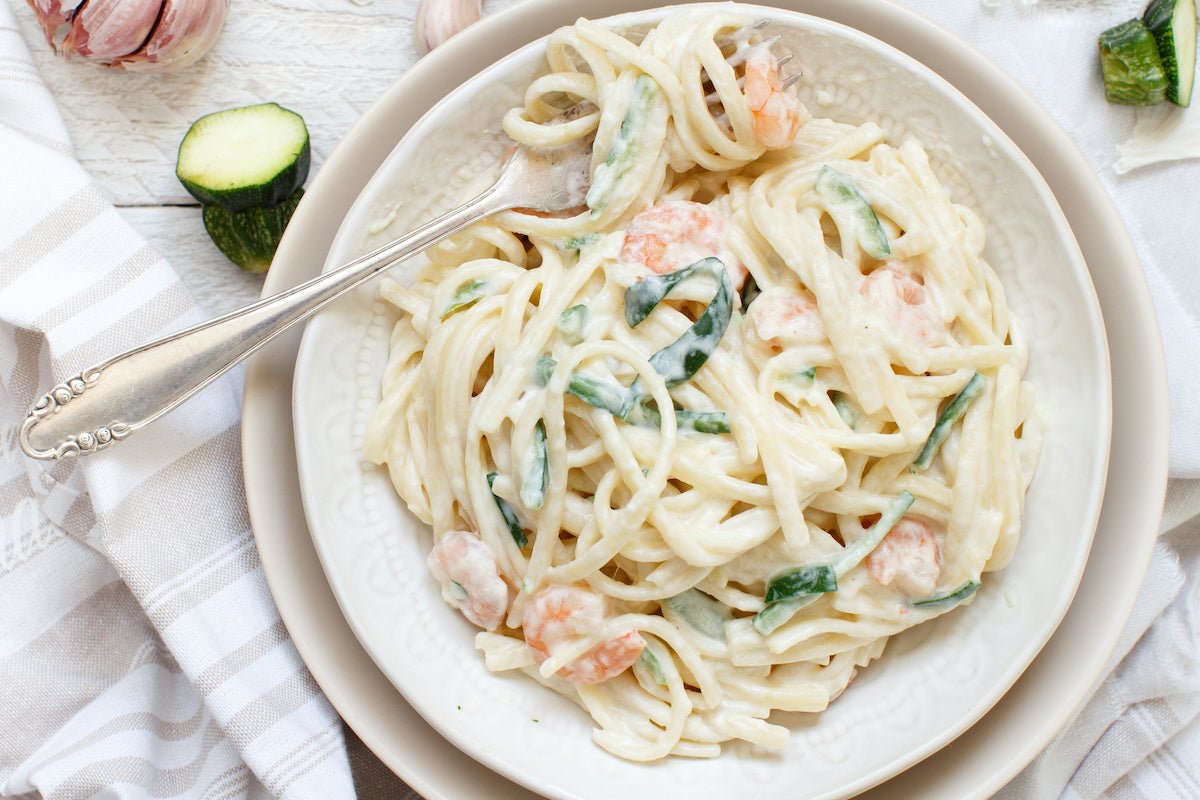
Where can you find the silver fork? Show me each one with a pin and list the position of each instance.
(109, 401)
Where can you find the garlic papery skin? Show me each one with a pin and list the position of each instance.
(139, 35)
(185, 32)
(107, 29)
(53, 14)
(438, 20)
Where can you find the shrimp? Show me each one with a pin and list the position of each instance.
(903, 301)
(909, 557)
(782, 316)
(777, 115)
(558, 614)
(677, 233)
(470, 578)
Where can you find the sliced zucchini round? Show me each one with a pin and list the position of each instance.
(245, 157)
(249, 238)
(1173, 23)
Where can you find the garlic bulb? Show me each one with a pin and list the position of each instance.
(438, 20)
(132, 34)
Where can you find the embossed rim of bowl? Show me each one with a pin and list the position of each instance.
(1137, 502)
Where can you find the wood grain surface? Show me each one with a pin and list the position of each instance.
(328, 60)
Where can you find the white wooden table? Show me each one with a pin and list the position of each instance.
(328, 60)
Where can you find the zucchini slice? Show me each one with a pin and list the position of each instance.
(464, 296)
(706, 614)
(510, 517)
(242, 158)
(952, 414)
(535, 470)
(629, 140)
(1173, 24)
(1133, 70)
(249, 238)
(949, 599)
(653, 666)
(794, 589)
(840, 194)
(572, 324)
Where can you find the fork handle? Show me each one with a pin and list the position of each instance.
(109, 401)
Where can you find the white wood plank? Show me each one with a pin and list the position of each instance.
(326, 59)
(327, 64)
(178, 234)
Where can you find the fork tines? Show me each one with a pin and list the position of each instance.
(738, 56)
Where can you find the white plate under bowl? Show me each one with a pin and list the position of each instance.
(935, 681)
(980, 760)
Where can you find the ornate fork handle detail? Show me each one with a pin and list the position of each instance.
(75, 443)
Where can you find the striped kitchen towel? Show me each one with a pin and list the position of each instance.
(1138, 736)
(140, 649)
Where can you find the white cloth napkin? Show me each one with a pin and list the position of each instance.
(141, 654)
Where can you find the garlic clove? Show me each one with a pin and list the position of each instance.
(185, 32)
(438, 20)
(53, 15)
(140, 35)
(109, 29)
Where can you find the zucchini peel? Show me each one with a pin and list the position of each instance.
(1173, 25)
(1133, 70)
(249, 238)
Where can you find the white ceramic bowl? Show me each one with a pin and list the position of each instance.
(935, 681)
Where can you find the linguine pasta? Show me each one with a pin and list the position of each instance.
(691, 454)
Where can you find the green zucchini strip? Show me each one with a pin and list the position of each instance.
(706, 614)
(845, 408)
(774, 615)
(699, 421)
(683, 358)
(604, 394)
(653, 666)
(620, 158)
(854, 554)
(644, 296)
(838, 190)
(1173, 25)
(796, 588)
(464, 296)
(536, 470)
(951, 599)
(680, 360)
(809, 579)
(1131, 64)
(612, 397)
(509, 516)
(572, 322)
(952, 414)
